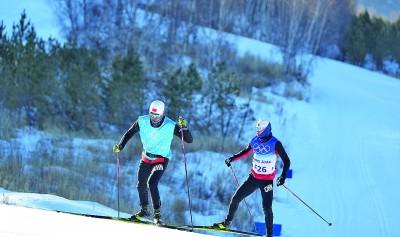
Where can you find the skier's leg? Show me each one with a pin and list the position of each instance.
(242, 192)
(267, 194)
(142, 177)
(156, 173)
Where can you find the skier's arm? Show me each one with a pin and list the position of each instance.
(285, 158)
(129, 134)
(187, 135)
(242, 154)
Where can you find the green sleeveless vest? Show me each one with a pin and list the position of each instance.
(157, 140)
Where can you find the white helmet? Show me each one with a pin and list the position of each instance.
(264, 126)
(261, 124)
(157, 107)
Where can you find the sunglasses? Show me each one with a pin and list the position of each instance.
(155, 115)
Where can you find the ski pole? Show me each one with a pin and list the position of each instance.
(186, 175)
(118, 183)
(329, 223)
(248, 208)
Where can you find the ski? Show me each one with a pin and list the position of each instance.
(127, 219)
(230, 231)
(175, 227)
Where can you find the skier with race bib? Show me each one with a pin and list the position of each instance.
(156, 133)
(265, 148)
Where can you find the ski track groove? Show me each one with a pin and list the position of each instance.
(340, 200)
(382, 223)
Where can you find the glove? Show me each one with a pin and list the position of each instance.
(182, 122)
(117, 148)
(228, 162)
(280, 181)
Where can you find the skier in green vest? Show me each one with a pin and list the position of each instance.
(156, 133)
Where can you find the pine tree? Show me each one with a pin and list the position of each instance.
(179, 90)
(125, 92)
(81, 80)
(4, 44)
(379, 38)
(28, 79)
(395, 39)
(355, 45)
(372, 36)
(221, 89)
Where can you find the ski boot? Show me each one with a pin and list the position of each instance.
(144, 212)
(222, 225)
(157, 217)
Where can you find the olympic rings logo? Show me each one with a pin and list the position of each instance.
(261, 149)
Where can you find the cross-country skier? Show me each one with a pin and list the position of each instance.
(265, 148)
(156, 133)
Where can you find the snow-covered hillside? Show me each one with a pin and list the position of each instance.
(344, 144)
(21, 221)
(345, 147)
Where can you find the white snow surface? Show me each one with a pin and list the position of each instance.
(345, 147)
(344, 144)
(22, 221)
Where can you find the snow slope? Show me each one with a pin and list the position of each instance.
(29, 214)
(345, 148)
(21, 221)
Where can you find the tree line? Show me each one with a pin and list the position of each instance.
(373, 42)
(71, 87)
(119, 54)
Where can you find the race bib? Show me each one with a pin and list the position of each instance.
(264, 166)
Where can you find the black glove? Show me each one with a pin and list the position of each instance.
(228, 162)
(281, 180)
